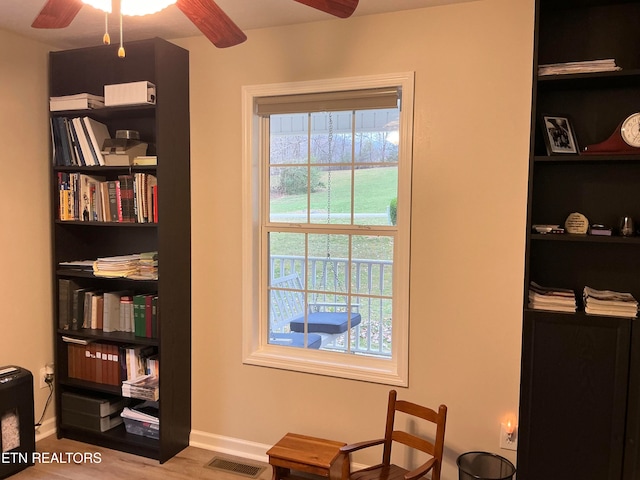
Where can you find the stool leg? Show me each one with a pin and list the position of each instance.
(280, 472)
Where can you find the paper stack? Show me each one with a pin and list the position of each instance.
(143, 419)
(607, 302)
(589, 66)
(145, 388)
(147, 267)
(137, 266)
(554, 299)
(80, 101)
(118, 266)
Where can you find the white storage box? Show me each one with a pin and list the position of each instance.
(134, 93)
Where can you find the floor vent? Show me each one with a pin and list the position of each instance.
(244, 469)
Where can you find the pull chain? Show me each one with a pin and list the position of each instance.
(121, 53)
(106, 39)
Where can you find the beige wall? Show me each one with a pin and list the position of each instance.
(472, 63)
(25, 253)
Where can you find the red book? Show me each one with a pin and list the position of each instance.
(119, 200)
(155, 203)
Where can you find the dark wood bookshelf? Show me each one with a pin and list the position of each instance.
(165, 127)
(580, 373)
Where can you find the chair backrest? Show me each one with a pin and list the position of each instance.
(287, 301)
(434, 448)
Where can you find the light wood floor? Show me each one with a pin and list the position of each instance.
(189, 464)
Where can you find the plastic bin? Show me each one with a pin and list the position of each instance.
(484, 466)
(145, 429)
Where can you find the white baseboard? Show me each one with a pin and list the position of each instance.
(230, 446)
(47, 428)
(237, 447)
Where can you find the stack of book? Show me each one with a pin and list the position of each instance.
(137, 266)
(78, 101)
(554, 299)
(589, 66)
(607, 302)
(145, 388)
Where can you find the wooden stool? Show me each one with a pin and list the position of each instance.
(310, 455)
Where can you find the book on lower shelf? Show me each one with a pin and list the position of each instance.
(145, 388)
(93, 361)
(551, 298)
(609, 302)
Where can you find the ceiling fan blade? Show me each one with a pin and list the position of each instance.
(339, 8)
(213, 22)
(57, 14)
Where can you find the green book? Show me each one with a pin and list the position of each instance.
(139, 320)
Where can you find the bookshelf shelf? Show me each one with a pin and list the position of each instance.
(107, 224)
(580, 373)
(87, 70)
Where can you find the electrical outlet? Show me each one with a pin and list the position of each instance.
(43, 376)
(46, 375)
(508, 441)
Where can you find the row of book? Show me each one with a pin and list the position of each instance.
(110, 364)
(78, 141)
(596, 302)
(114, 311)
(130, 198)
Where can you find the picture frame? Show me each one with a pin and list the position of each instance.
(559, 135)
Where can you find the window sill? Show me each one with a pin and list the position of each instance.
(360, 367)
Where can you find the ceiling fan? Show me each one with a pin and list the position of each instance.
(205, 14)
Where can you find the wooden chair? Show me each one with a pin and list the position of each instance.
(388, 471)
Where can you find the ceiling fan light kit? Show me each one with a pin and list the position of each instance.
(206, 15)
(132, 7)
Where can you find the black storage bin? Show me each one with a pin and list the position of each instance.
(484, 466)
(17, 437)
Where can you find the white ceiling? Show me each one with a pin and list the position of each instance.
(88, 26)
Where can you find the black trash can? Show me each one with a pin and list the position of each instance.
(484, 466)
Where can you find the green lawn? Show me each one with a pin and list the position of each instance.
(373, 190)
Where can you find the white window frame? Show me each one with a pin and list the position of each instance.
(256, 350)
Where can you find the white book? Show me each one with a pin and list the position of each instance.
(60, 105)
(98, 133)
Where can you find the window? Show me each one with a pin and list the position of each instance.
(326, 206)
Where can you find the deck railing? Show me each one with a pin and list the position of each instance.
(370, 290)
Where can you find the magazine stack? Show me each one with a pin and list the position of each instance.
(607, 302)
(554, 299)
